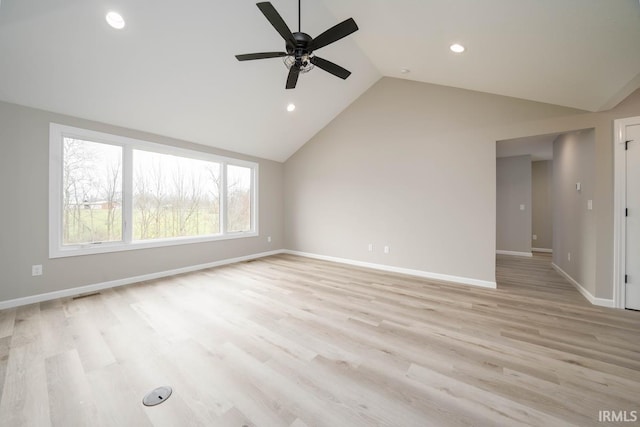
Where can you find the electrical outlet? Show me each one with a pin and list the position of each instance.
(370, 247)
(269, 239)
(36, 270)
(386, 249)
(521, 207)
(535, 237)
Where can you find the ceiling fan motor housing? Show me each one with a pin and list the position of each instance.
(301, 48)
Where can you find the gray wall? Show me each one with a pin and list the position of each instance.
(409, 165)
(413, 165)
(24, 139)
(513, 190)
(542, 204)
(574, 225)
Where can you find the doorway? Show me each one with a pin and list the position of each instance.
(523, 182)
(571, 210)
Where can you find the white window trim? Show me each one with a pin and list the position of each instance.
(58, 132)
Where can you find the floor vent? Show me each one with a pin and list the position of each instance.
(157, 396)
(86, 295)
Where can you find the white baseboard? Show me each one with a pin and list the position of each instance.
(527, 254)
(549, 251)
(602, 302)
(127, 281)
(407, 271)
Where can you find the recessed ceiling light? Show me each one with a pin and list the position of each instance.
(457, 48)
(291, 107)
(115, 20)
(405, 71)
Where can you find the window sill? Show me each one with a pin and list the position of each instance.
(109, 247)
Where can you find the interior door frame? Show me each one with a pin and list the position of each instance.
(619, 205)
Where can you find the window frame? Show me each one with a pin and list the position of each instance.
(57, 249)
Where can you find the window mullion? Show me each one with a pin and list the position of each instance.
(254, 200)
(127, 194)
(56, 192)
(223, 197)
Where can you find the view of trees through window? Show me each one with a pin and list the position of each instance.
(173, 196)
(238, 198)
(92, 192)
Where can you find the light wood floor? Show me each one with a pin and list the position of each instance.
(297, 342)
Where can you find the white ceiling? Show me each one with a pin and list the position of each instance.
(172, 70)
(575, 53)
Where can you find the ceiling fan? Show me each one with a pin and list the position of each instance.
(299, 56)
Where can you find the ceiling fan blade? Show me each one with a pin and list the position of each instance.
(334, 34)
(292, 79)
(330, 67)
(278, 23)
(262, 55)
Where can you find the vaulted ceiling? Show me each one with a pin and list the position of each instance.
(172, 69)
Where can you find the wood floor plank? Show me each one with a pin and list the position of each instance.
(70, 400)
(55, 333)
(5, 348)
(115, 400)
(25, 397)
(490, 409)
(7, 320)
(89, 342)
(26, 328)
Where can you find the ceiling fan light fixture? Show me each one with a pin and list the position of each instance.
(115, 20)
(457, 48)
(305, 64)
